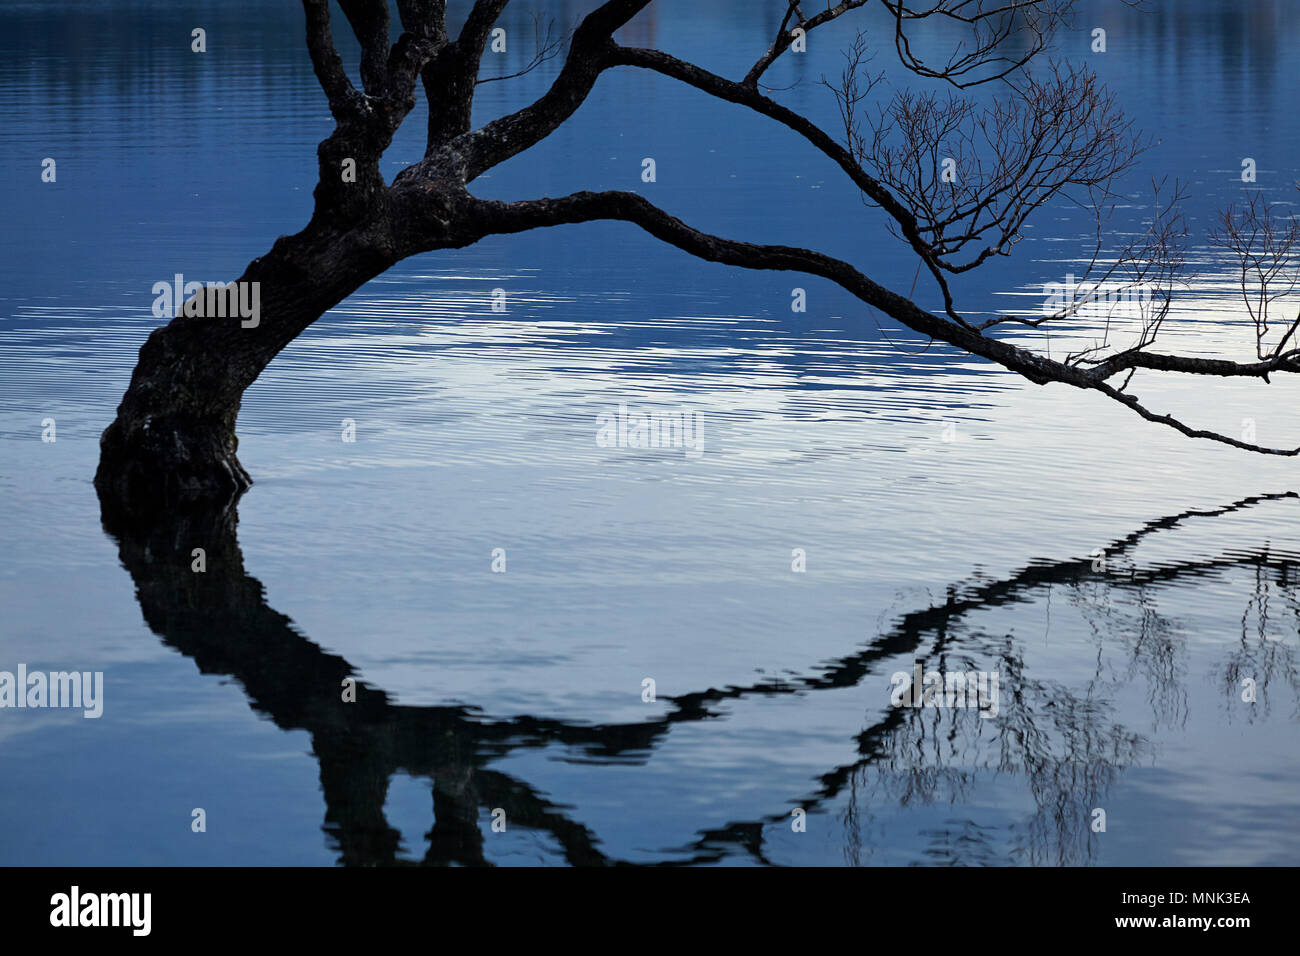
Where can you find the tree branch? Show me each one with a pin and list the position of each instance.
(993, 25)
(369, 21)
(424, 18)
(785, 37)
(745, 95)
(508, 217)
(500, 217)
(344, 99)
(545, 47)
(478, 151)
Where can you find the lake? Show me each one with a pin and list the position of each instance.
(621, 654)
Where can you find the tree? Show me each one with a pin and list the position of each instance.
(1050, 134)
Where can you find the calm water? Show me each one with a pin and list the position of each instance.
(476, 430)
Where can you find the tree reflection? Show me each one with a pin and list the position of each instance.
(1065, 744)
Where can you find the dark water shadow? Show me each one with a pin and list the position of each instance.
(1067, 745)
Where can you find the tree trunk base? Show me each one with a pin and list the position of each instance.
(173, 440)
(158, 461)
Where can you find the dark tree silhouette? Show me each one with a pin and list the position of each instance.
(1050, 134)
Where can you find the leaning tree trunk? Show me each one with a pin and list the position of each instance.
(174, 435)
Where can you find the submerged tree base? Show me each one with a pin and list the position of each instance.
(174, 435)
(173, 439)
(164, 459)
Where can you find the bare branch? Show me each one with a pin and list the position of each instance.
(1147, 268)
(474, 34)
(785, 37)
(749, 96)
(449, 79)
(975, 176)
(546, 46)
(1025, 27)
(589, 53)
(500, 217)
(343, 97)
(1266, 254)
(369, 21)
(1187, 430)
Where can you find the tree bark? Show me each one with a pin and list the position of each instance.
(174, 434)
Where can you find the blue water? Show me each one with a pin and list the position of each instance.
(477, 430)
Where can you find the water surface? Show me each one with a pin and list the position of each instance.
(476, 430)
